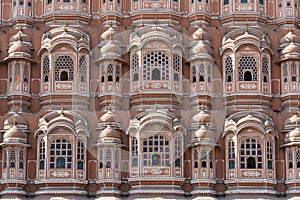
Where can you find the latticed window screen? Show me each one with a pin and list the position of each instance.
(251, 154)
(46, 68)
(195, 156)
(117, 156)
(177, 151)
(134, 152)
(42, 155)
(4, 158)
(21, 159)
(231, 154)
(203, 159)
(176, 67)
(135, 67)
(194, 74)
(228, 69)
(80, 154)
(156, 66)
(294, 72)
(64, 69)
(61, 154)
(101, 159)
(202, 74)
(17, 72)
(82, 69)
(247, 70)
(156, 151)
(269, 155)
(290, 158)
(118, 73)
(298, 158)
(265, 69)
(108, 157)
(12, 158)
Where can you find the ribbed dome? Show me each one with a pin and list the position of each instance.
(110, 47)
(15, 119)
(19, 47)
(295, 132)
(108, 33)
(291, 48)
(202, 48)
(20, 36)
(14, 132)
(110, 132)
(201, 133)
(201, 116)
(200, 34)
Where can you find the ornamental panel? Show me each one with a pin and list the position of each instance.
(251, 173)
(156, 171)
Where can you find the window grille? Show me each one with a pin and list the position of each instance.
(61, 154)
(247, 70)
(251, 154)
(228, 69)
(82, 69)
(64, 65)
(156, 66)
(265, 69)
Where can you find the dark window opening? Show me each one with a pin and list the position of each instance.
(108, 164)
(26, 80)
(203, 164)
(270, 164)
(226, 2)
(177, 162)
(79, 165)
(201, 78)
(60, 163)
(290, 165)
(135, 162)
(298, 164)
(294, 79)
(176, 77)
(229, 79)
(42, 164)
(12, 165)
(135, 77)
(100, 165)
(231, 164)
(110, 78)
(194, 79)
(247, 76)
(195, 164)
(265, 79)
(155, 74)
(117, 79)
(21, 165)
(251, 163)
(64, 76)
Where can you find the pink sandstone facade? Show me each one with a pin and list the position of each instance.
(135, 99)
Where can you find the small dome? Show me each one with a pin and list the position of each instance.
(15, 119)
(110, 132)
(293, 119)
(201, 133)
(110, 47)
(14, 132)
(108, 33)
(295, 132)
(109, 116)
(202, 48)
(291, 48)
(201, 116)
(20, 36)
(200, 34)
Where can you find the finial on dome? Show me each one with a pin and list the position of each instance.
(249, 110)
(15, 122)
(155, 23)
(155, 107)
(202, 106)
(295, 111)
(290, 29)
(246, 28)
(110, 24)
(62, 108)
(66, 25)
(109, 107)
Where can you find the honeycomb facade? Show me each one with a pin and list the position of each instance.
(132, 99)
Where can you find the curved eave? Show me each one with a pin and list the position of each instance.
(287, 59)
(201, 58)
(290, 144)
(9, 59)
(109, 58)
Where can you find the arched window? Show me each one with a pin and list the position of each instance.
(134, 162)
(80, 154)
(12, 158)
(195, 157)
(251, 154)
(194, 73)
(176, 67)
(294, 72)
(156, 66)
(203, 159)
(46, 68)
(226, 2)
(196, 164)
(61, 154)
(177, 152)
(247, 66)
(231, 164)
(270, 155)
(290, 159)
(228, 69)
(156, 151)
(42, 154)
(64, 64)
